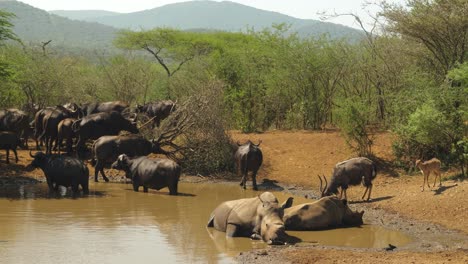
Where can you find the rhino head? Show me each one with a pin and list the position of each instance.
(351, 218)
(270, 219)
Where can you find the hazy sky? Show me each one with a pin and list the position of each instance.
(295, 8)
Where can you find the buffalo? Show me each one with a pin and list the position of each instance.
(106, 107)
(17, 121)
(66, 132)
(350, 172)
(258, 218)
(62, 170)
(159, 110)
(50, 124)
(9, 140)
(248, 157)
(149, 173)
(325, 213)
(108, 148)
(97, 125)
(70, 109)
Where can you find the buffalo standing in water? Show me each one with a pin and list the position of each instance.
(150, 173)
(325, 213)
(62, 170)
(248, 157)
(258, 218)
(106, 149)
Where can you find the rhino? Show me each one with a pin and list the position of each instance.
(258, 218)
(328, 212)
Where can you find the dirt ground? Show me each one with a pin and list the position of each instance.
(295, 158)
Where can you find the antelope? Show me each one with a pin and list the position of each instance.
(350, 172)
(426, 167)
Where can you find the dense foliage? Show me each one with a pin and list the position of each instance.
(401, 80)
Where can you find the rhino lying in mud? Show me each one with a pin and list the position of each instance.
(258, 218)
(325, 213)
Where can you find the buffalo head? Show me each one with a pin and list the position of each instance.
(121, 164)
(39, 159)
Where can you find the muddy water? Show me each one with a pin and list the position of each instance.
(116, 225)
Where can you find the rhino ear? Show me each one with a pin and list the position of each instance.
(361, 213)
(288, 203)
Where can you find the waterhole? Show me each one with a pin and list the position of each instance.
(116, 225)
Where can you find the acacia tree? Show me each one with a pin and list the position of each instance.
(170, 47)
(441, 26)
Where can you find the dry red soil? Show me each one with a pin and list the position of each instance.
(297, 157)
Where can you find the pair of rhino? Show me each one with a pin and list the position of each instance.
(262, 217)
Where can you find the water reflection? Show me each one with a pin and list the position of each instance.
(41, 191)
(116, 225)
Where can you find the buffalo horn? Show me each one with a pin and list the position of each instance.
(321, 183)
(259, 142)
(30, 154)
(326, 185)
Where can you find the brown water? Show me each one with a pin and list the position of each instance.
(116, 225)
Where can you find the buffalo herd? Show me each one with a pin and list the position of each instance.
(261, 217)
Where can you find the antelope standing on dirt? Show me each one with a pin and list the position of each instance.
(426, 167)
(350, 172)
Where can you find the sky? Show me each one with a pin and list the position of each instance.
(305, 9)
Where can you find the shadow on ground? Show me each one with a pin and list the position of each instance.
(442, 189)
(373, 200)
(268, 184)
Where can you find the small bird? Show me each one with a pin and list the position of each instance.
(390, 247)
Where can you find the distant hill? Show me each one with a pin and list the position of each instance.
(34, 25)
(211, 15)
(86, 15)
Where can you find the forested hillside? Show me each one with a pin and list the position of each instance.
(35, 26)
(211, 15)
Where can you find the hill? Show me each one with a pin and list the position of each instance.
(86, 15)
(34, 26)
(211, 15)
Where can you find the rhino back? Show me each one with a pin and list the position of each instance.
(242, 213)
(321, 214)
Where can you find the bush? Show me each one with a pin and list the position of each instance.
(208, 148)
(424, 136)
(353, 119)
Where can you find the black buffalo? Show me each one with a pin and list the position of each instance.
(101, 124)
(38, 122)
(62, 170)
(149, 173)
(9, 140)
(50, 124)
(248, 157)
(93, 108)
(66, 132)
(159, 110)
(106, 149)
(17, 121)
